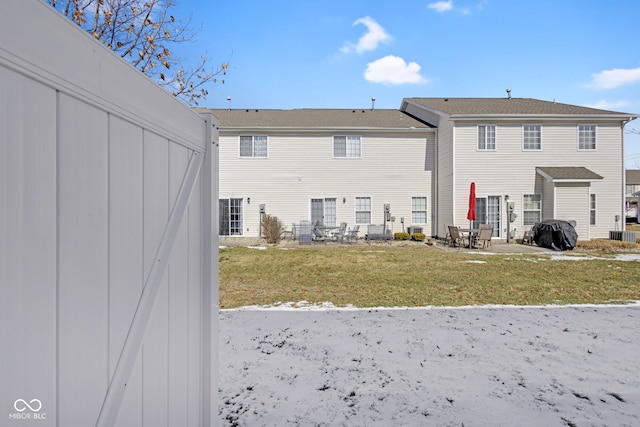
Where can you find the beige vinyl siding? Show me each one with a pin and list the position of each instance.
(548, 199)
(510, 170)
(574, 206)
(393, 168)
(445, 191)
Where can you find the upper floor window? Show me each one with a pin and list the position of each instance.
(418, 210)
(532, 137)
(531, 209)
(586, 137)
(253, 146)
(486, 137)
(346, 146)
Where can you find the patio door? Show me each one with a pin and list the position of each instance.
(488, 212)
(230, 217)
(323, 211)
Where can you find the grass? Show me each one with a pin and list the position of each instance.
(420, 275)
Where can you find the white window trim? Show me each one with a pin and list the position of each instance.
(541, 137)
(253, 140)
(478, 137)
(355, 209)
(333, 146)
(530, 210)
(426, 210)
(595, 148)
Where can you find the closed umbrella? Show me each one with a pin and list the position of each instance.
(471, 213)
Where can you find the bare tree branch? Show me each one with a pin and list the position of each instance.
(144, 32)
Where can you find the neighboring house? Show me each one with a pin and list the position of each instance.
(632, 196)
(542, 159)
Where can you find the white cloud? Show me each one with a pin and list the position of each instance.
(441, 6)
(375, 35)
(393, 70)
(608, 105)
(611, 79)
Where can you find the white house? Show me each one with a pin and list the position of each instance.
(536, 159)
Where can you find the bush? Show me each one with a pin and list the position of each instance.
(273, 229)
(401, 236)
(418, 237)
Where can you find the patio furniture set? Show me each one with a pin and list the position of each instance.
(305, 232)
(456, 236)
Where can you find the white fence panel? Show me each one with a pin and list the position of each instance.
(107, 185)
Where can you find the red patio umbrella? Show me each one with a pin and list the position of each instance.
(471, 213)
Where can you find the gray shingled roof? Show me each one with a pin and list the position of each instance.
(316, 118)
(633, 176)
(569, 173)
(508, 107)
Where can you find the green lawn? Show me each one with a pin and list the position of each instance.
(418, 275)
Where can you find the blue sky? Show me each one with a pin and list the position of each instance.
(341, 53)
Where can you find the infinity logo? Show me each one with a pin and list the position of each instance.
(21, 405)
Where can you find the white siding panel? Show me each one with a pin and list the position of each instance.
(126, 276)
(27, 243)
(195, 303)
(82, 260)
(574, 206)
(156, 343)
(301, 167)
(446, 205)
(511, 170)
(178, 308)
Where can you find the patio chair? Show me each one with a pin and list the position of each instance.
(484, 235)
(457, 239)
(304, 232)
(527, 237)
(319, 235)
(447, 235)
(340, 232)
(351, 235)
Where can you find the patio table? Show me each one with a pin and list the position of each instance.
(472, 235)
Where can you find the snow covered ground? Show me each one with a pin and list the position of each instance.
(473, 366)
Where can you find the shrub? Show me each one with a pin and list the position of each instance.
(273, 229)
(418, 237)
(401, 236)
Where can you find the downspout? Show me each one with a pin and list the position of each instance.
(453, 172)
(434, 185)
(623, 211)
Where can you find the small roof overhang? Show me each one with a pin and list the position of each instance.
(567, 174)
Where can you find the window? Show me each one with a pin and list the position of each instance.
(363, 210)
(230, 213)
(418, 210)
(592, 209)
(346, 146)
(531, 209)
(253, 146)
(486, 137)
(586, 137)
(532, 137)
(323, 211)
